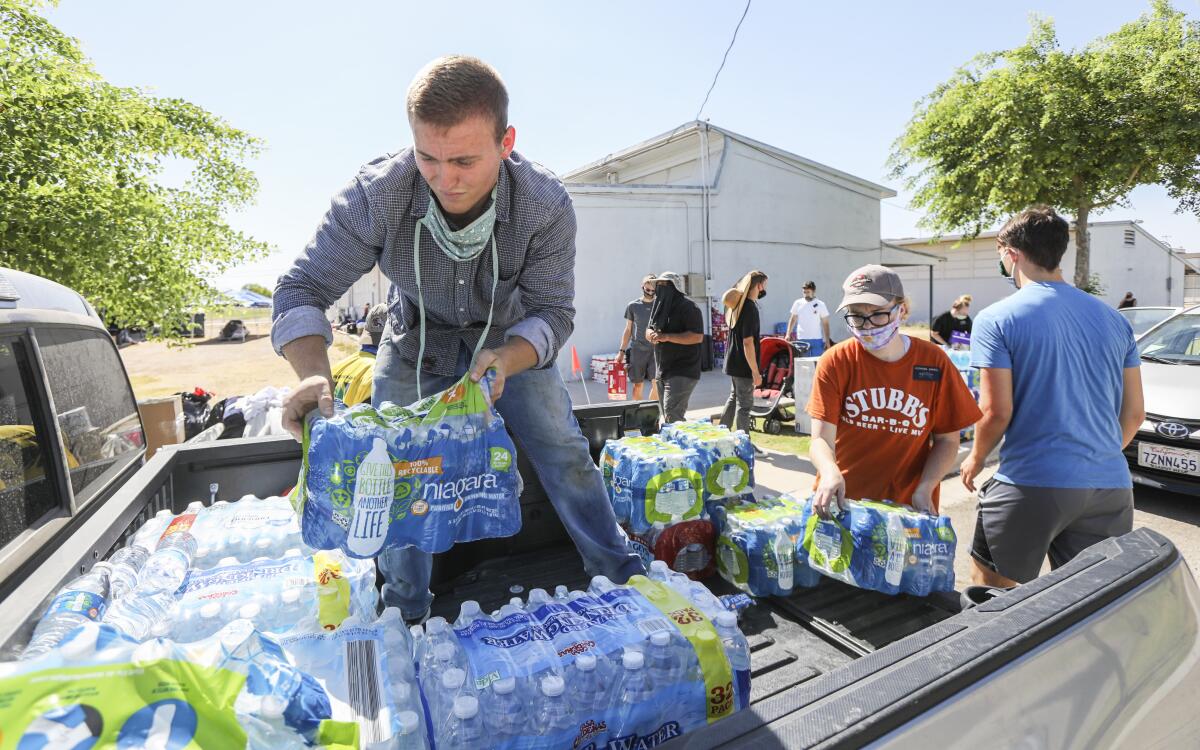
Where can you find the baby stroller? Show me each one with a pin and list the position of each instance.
(776, 362)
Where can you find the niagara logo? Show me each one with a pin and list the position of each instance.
(447, 491)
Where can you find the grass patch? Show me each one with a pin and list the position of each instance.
(787, 442)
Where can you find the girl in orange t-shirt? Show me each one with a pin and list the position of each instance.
(886, 408)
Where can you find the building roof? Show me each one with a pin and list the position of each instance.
(906, 241)
(595, 171)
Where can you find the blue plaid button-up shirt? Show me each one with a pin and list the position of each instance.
(372, 221)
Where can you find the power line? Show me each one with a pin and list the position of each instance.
(723, 59)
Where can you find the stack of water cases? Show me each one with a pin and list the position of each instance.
(756, 550)
(232, 581)
(613, 666)
(429, 475)
(657, 491)
(880, 546)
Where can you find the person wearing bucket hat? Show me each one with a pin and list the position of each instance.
(741, 363)
(636, 351)
(886, 408)
(352, 376)
(677, 331)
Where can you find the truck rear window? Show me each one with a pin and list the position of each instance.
(26, 492)
(97, 415)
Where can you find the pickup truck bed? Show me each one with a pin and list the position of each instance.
(832, 666)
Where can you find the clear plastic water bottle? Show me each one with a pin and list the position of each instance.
(373, 490)
(293, 609)
(664, 663)
(635, 690)
(506, 715)
(897, 547)
(137, 614)
(601, 585)
(554, 712)
(147, 537)
(205, 621)
(465, 730)
(449, 688)
(168, 566)
(408, 734)
(784, 552)
(468, 613)
(82, 600)
(125, 565)
(737, 649)
(699, 595)
(539, 597)
(588, 689)
(562, 594)
(659, 571)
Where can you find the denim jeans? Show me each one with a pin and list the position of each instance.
(737, 408)
(673, 396)
(537, 410)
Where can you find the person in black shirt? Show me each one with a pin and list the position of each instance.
(741, 363)
(677, 331)
(1127, 301)
(957, 318)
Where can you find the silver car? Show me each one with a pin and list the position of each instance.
(1166, 451)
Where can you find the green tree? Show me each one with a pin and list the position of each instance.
(81, 163)
(258, 289)
(1073, 129)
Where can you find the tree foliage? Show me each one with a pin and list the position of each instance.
(1073, 129)
(258, 289)
(81, 180)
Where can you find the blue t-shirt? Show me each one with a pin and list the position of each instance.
(1067, 351)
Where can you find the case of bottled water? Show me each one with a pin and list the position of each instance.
(233, 687)
(881, 546)
(295, 593)
(727, 458)
(756, 550)
(633, 665)
(651, 481)
(366, 668)
(429, 475)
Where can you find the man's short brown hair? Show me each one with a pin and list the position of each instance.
(457, 87)
(1040, 233)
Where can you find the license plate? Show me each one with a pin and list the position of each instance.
(1166, 458)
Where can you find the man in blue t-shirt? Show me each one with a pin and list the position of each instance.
(1061, 383)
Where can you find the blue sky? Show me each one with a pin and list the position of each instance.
(324, 86)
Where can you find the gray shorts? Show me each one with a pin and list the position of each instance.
(640, 366)
(1018, 526)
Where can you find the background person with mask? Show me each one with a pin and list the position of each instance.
(639, 364)
(479, 244)
(957, 318)
(741, 363)
(677, 332)
(886, 408)
(809, 318)
(1061, 382)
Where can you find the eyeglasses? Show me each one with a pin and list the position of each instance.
(877, 318)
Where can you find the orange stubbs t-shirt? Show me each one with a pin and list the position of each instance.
(887, 413)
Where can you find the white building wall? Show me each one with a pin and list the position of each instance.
(621, 238)
(765, 214)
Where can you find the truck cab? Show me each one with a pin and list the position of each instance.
(70, 433)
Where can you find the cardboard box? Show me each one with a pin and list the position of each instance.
(163, 421)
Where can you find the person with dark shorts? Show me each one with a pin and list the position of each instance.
(636, 351)
(1060, 381)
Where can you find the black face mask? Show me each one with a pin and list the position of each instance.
(762, 294)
